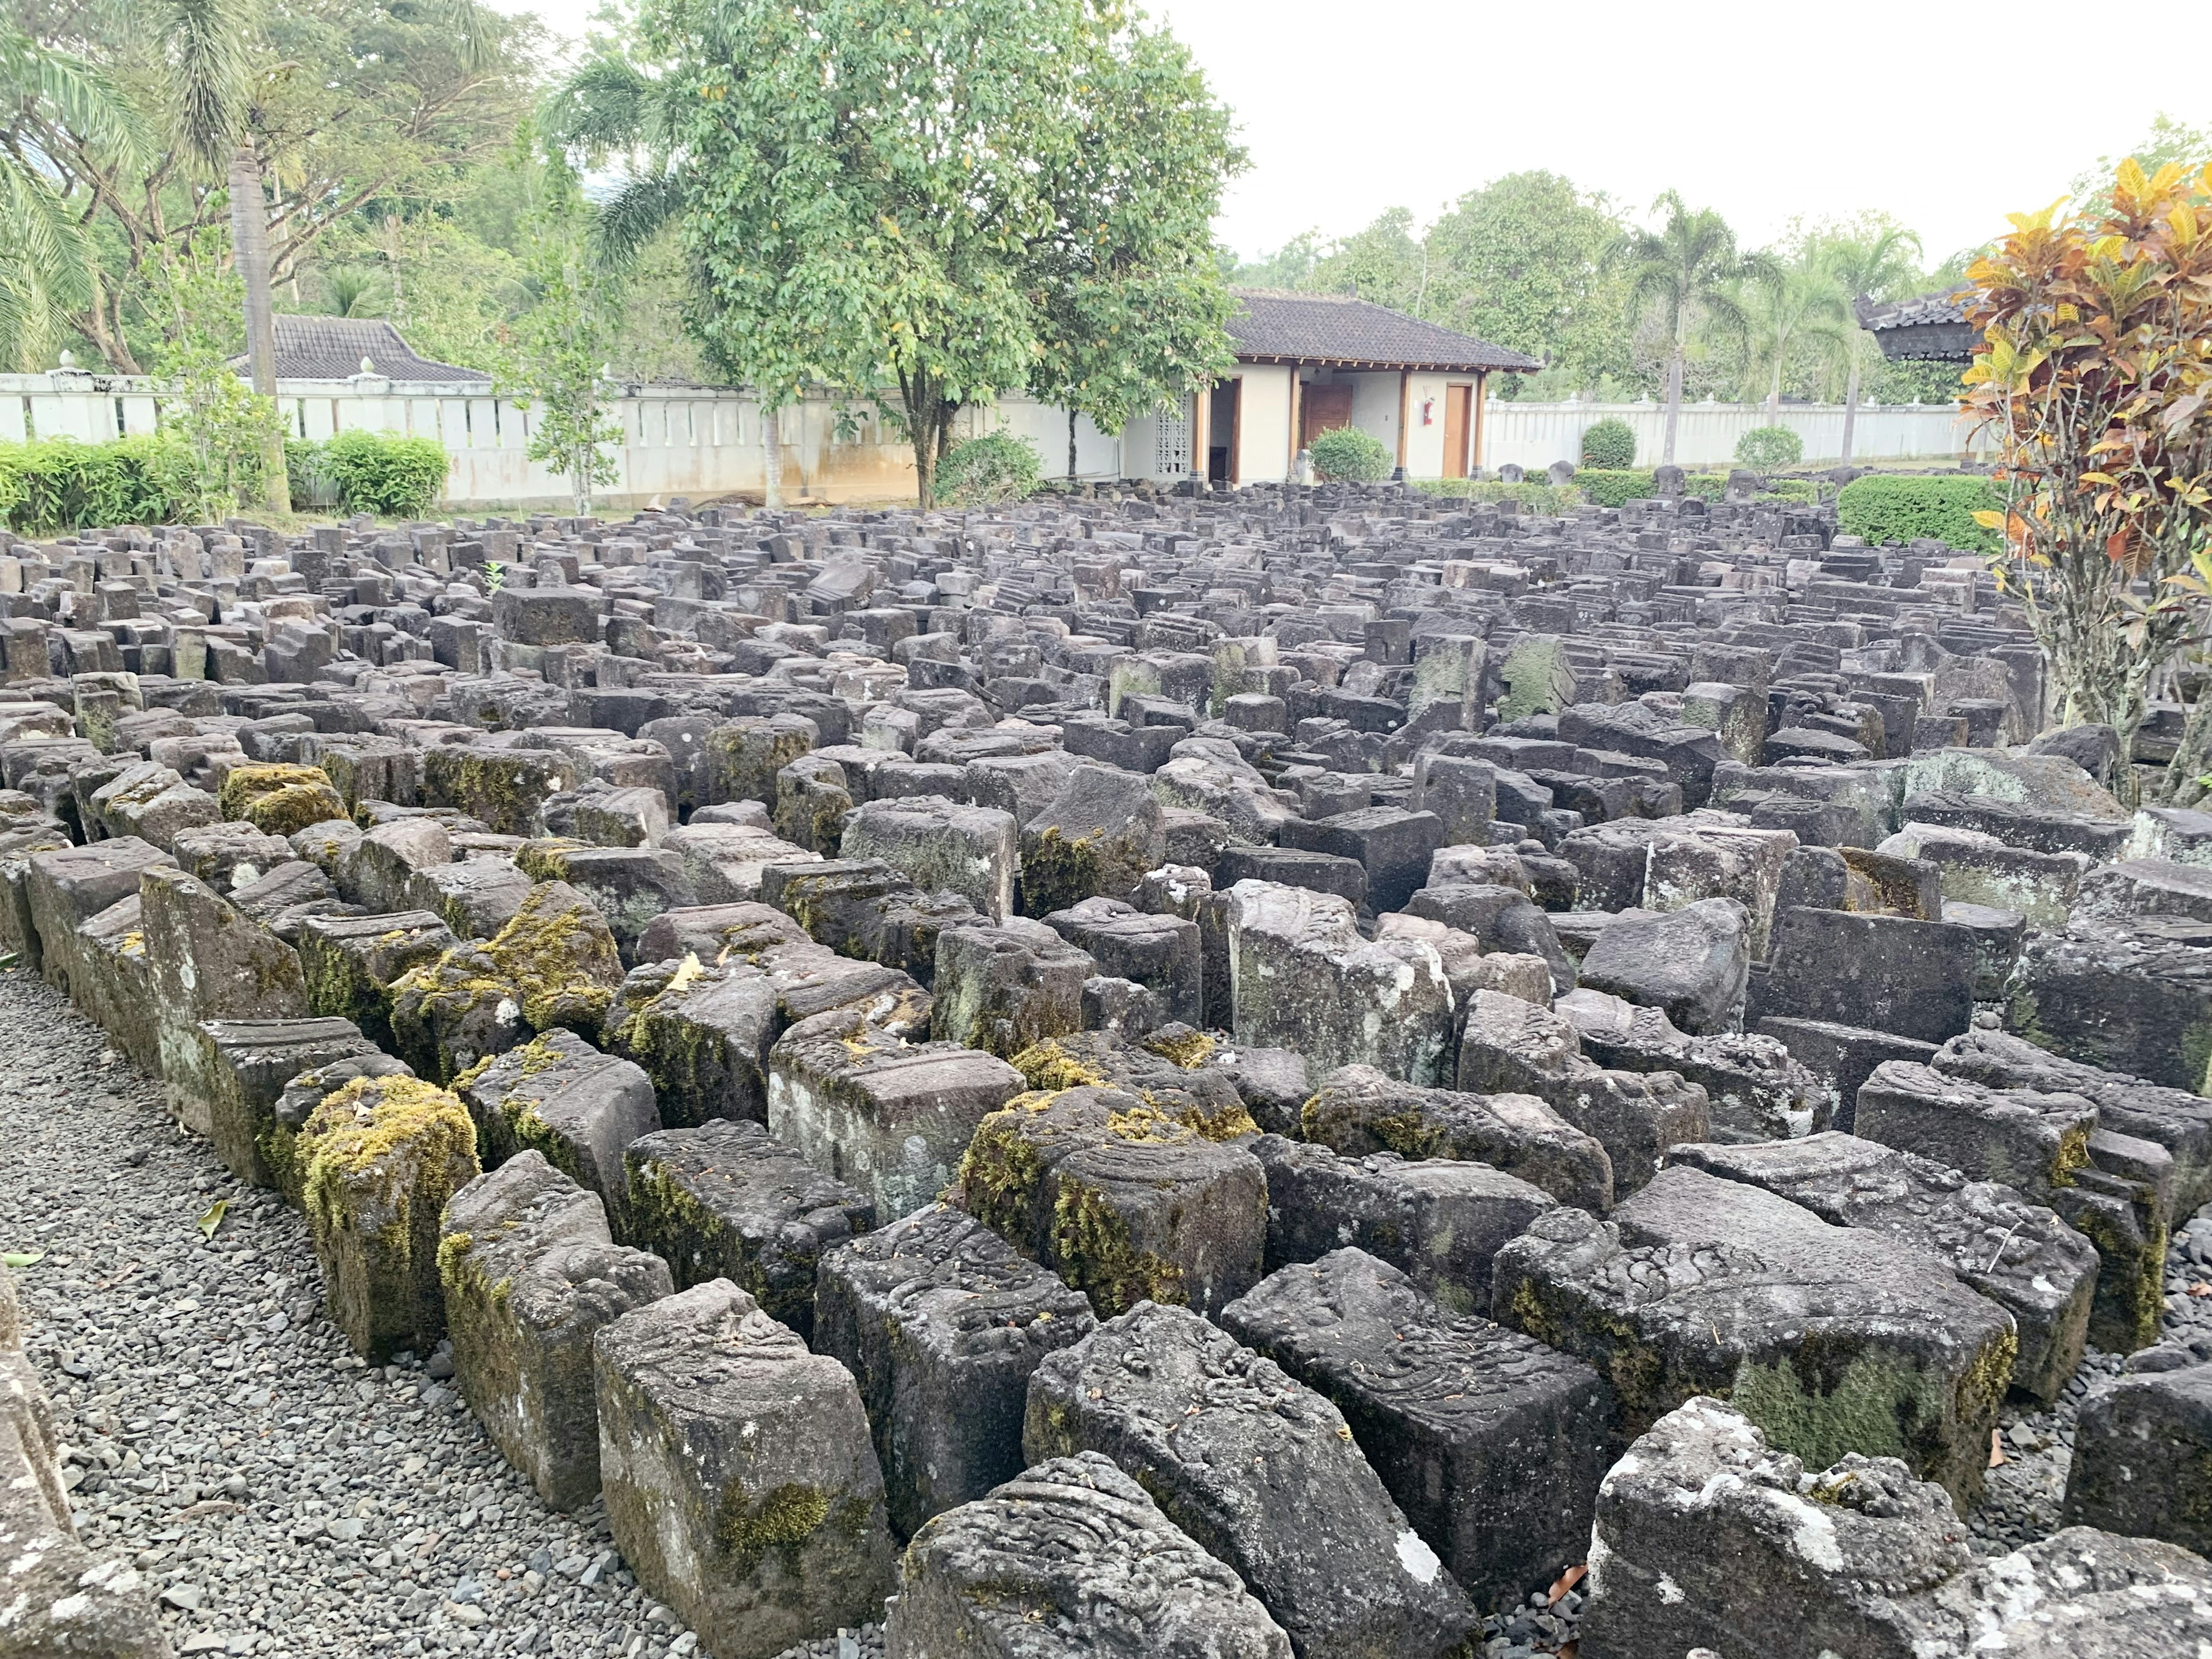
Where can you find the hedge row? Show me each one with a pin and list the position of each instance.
(1886, 506)
(374, 472)
(56, 485)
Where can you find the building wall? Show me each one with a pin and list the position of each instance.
(1263, 424)
(1536, 434)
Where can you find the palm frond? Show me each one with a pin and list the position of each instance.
(49, 275)
(207, 49)
(604, 106)
(624, 224)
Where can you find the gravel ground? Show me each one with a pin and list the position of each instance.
(283, 1497)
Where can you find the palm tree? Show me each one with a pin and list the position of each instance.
(1786, 307)
(50, 273)
(1690, 270)
(1873, 264)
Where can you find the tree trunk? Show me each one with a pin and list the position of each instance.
(249, 232)
(1774, 397)
(1674, 401)
(927, 427)
(771, 456)
(1070, 447)
(1850, 407)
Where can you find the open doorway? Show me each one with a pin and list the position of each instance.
(1221, 433)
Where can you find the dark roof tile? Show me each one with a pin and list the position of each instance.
(332, 348)
(1269, 322)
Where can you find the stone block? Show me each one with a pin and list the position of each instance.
(1302, 978)
(559, 1097)
(1097, 839)
(1392, 845)
(1975, 868)
(1160, 953)
(702, 1036)
(530, 1276)
(380, 1158)
(939, 844)
(2022, 1138)
(279, 800)
(1071, 1558)
(1216, 1433)
(1755, 1089)
(245, 1066)
(1490, 1443)
(728, 1200)
(1125, 1202)
(1911, 979)
(2019, 1255)
(69, 886)
(1005, 988)
(1832, 1339)
(352, 963)
(1357, 1112)
(726, 863)
(1439, 1221)
(741, 1485)
(890, 1117)
(1692, 964)
(942, 1323)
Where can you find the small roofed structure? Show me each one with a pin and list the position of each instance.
(1928, 328)
(1307, 363)
(340, 348)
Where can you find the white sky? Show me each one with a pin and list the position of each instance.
(1764, 111)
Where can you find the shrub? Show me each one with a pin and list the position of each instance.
(361, 471)
(1541, 500)
(1609, 487)
(58, 484)
(1900, 507)
(1345, 454)
(988, 472)
(1766, 447)
(1705, 486)
(1609, 445)
(1790, 490)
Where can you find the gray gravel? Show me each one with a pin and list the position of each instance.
(283, 1497)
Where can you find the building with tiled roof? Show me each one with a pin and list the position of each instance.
(339, 348)
(1929, 328)
(1307, 363)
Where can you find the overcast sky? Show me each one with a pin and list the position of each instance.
(1761, 110)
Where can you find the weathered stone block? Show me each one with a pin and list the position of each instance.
(1160, 953)
(352, 963)
(741, 1486)
(1832, 1339)
(1102, 832)
(1492, 1443)
(2019, 1255)
(381, 1156)
(559, 1097)
(1756, 1089)
(2142, 1451)
(1357, 1112)
(939, 844)
(1216, 1432)
(1913, 979)
(1071, 1558)
(2032, 1142)
(891, 1117)
(245, 1067)
(1692, 963)
(1125, 1202)
(728, 1200)
(1439, 1221)
(1007, 988)
(942, 1323)
(530, 1275)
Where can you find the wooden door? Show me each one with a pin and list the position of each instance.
(1459, 401)
(1324, 408)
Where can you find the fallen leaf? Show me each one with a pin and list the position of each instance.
(1567, 1581)
(2200, 1288)
(1996, 1450)
(213, 1218)
(23, 1258)
(687, 972)
(1570, 1650)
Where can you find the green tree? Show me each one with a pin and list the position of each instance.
(864, 189)
(1688, 273)
(1787, 307)
(1875, 261)
(1129, 301)
(1290, 266)
(558, 350)
(227, 427)
(1385, 264)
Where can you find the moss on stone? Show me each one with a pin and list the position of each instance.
(2073, 1154)
(1046, 1066)
(787, 1515)
(1186, 1047)
(1091, 1244)
(1059, 871)
(285, 813)
(1000, 1171)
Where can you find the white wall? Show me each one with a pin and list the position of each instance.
(1375, 406)
(1536, 434)
(1263, 424)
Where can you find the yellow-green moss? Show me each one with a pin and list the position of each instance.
(2073, 1154)
(1189, 1050)
(788, 1515)
(1091, 1242)
(1048, 1066)
(247, 784)
(345, 1143)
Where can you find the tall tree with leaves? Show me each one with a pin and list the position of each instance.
(559, 345)
(1874, 262)
(1689, 271)
(1127, 296)
(864, 188)
(1788, 308)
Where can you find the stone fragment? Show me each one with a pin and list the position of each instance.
(1492, 1443)
(1071, 1558)
(741, 1486)
(2142, 1451)
(942, 1323)
(1160, 953)
(352, 963)
(728, 1200)
(1100, 835)
(559, 1097)
(530, 1275)
(1215, 1432)
(939, 844)
(244, 1067)
(2030, 1141)
(1007, 988)
(1690, 964)
(1756, 1089)
(1302, 978)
